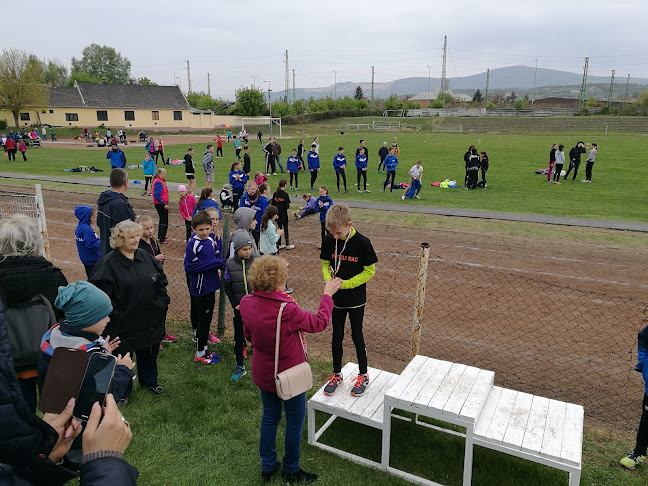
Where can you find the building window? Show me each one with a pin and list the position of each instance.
(155, 115)
(71, 117)
(102, 115)
(51, 111)
(129, 115)
(177, 115)
(24, 116)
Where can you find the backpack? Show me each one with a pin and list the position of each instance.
(26, 324)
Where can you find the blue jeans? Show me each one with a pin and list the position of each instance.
(295, 412)
(279, 162)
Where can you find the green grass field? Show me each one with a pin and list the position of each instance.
(205, 428)
(617, 191)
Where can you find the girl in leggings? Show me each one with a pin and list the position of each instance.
(391, 162)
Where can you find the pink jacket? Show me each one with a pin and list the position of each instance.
(259, 312)
(187, 206)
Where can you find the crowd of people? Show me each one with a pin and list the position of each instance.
(121, 309)
(557, 162)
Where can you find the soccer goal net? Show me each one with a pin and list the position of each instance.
(269, 122)
(30, 205)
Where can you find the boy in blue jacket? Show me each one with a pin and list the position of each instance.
(88, 243)
(116, 157)
(293, 164)
(638, 454)
(361, 166)
(313, 165)
(203, 259)
(339, 164)
(324, 202)
(390, 166)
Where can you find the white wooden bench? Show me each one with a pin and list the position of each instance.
(367, 409)
(534, 428)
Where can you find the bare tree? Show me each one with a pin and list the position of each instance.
(21, 82)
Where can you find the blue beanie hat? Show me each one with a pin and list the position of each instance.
(83, 304)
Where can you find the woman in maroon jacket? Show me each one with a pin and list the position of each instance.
(259, 311)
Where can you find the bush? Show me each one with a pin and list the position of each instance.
(327, 115)
(3, 124)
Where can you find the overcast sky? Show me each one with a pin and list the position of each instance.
(234, 41)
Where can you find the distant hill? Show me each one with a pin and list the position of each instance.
(549, 82)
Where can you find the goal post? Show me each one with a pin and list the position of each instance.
(31, 205)
(262, 121)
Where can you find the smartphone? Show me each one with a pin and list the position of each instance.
(63, 381)
(95, 385)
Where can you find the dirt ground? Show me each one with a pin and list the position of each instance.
(549, 317)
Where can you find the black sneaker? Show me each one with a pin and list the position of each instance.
(267, 476)
(300, 476)
(361, 384)
(334, 381)
(156, 390)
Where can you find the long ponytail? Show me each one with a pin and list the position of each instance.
(270, 212)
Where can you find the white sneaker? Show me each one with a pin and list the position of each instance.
(417, 197)
(403, 197)
(281, 247)
(289, 247)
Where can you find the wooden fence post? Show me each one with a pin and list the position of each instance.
(420, 300)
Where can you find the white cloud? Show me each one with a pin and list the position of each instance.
(235, 41)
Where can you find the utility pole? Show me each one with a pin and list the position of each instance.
(188, 78)
(487, 83)
(254, 81)
(535, 75)
(372, 85)
(287, 80)
(444, 79)
(269, 105)
(428, 90)
(581, 98)
(609, 103)
(294, 97)
(335, 85)
(208, 86)
(625, 97)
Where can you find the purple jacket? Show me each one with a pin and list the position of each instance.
(203, 259)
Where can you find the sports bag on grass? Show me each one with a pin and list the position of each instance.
(293, 381)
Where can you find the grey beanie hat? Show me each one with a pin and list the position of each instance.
(241, 239)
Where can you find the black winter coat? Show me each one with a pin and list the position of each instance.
(137, 290)
(21, 278)
(112, 208)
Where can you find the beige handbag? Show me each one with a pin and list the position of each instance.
(293, 381)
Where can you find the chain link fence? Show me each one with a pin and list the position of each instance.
(551, 340)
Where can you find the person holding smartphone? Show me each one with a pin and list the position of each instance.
(87, 310)
(34, 448)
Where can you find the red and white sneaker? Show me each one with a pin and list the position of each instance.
(168, 338)
(208, 358)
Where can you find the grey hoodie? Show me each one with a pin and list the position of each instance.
(243, 218)
(208, 161)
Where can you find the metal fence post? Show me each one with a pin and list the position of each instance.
(222, 300)
(420, 299)
(42, 222)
